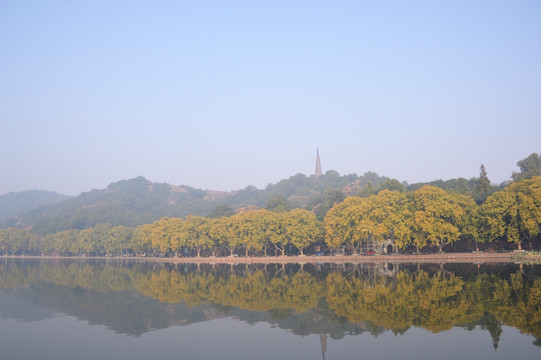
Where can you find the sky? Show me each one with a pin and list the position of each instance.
(225, 94)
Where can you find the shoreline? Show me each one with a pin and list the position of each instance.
(474, 258)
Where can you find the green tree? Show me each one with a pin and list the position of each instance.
(482, 188)
(368, 190)
(529, 167)
(331, 196)
(220, 211)
(392, 185)
(278, 203)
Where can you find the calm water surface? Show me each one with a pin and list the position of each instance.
(98, 309)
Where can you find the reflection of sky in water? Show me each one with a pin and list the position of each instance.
(13, 308)
(420, 344)
(65, 337)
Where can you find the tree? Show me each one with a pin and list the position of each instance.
(392, 185)
(529, 167)
(439, 216)
(219, 233)
(368, 190)
(390, 217)
(278, 234)
(301, 228)
(192, 233)
(231, 240)
(64, 242)
(119, 240)
(174, 229)
(161, 235)
(248, 228)
(482, 188)
(515, 212)
(273, 231)
(278, 204)
(331, 196)
(14, 241)
(141, 239)
(345, 223)
(221, 211)
(461, 186)
(89, 241)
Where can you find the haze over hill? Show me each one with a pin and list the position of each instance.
(13, 204)
(137, 201)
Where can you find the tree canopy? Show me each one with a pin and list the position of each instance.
(529, 167)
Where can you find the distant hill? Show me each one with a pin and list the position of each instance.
(138, 201)
(126, 202)
(300, 189)
(16, 203)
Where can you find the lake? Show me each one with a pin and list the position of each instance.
(88, 309)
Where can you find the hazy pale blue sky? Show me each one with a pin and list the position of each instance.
(226, 94)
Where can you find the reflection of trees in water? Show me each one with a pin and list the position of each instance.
(333, 299)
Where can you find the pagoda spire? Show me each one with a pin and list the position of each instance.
(318, 165)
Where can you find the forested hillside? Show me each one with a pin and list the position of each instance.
(139, 201)
(13, 204)
(127, 202)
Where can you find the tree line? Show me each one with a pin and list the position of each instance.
(433, 217)
(426, 219)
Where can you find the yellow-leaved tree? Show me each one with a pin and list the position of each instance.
(390, 217)
(344, 223)
(301, 228)
(514, 213)
(440, 217)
